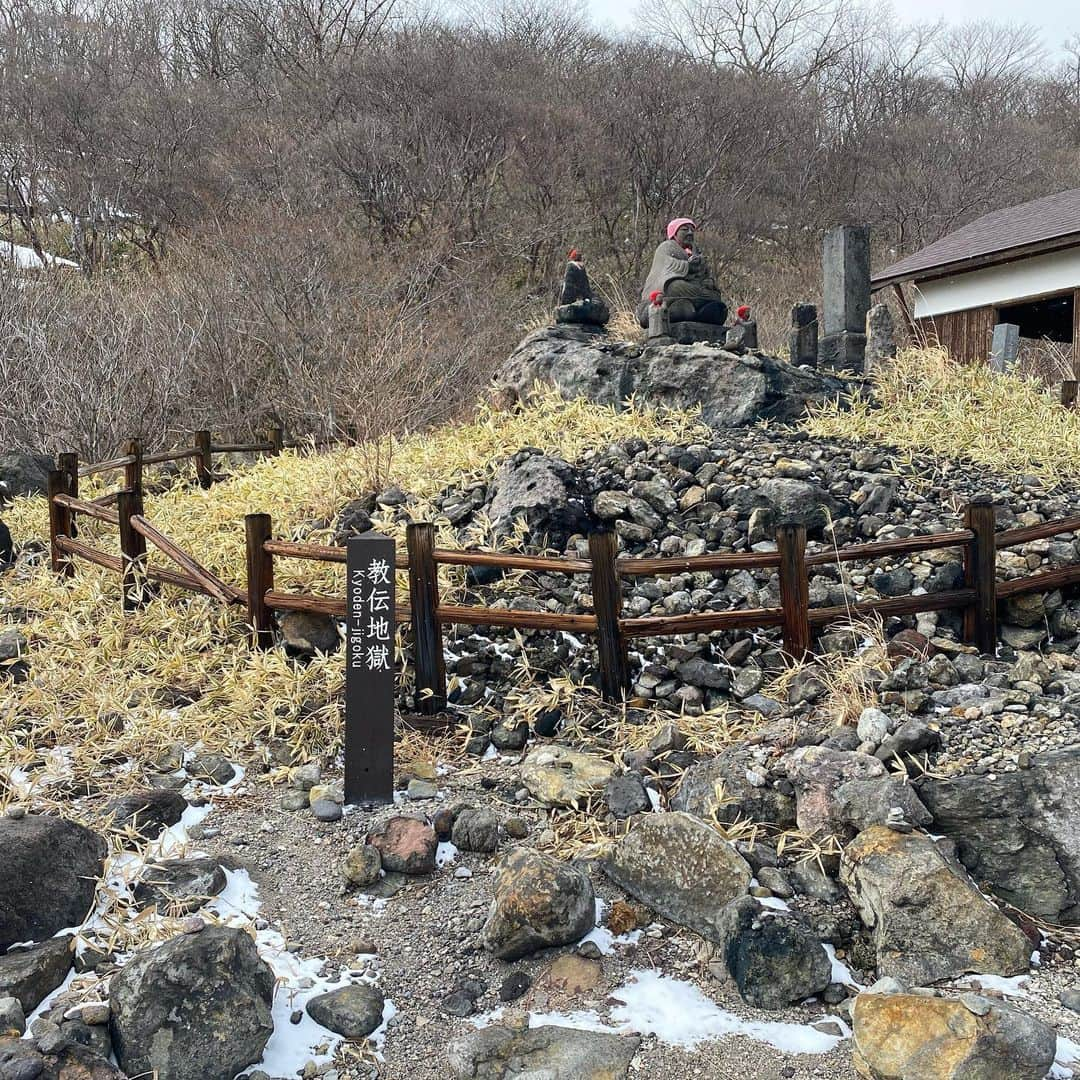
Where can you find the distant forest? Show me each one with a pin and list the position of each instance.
(280, 207)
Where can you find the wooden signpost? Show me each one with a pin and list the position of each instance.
(369, 670)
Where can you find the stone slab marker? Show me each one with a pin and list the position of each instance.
(846, 291)
(803, 341)
(880, 337)
(1004, 346)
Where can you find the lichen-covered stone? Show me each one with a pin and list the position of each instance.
(559, 776)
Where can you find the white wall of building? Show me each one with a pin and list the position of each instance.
(1057, 271)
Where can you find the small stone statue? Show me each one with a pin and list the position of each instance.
(743, 331)
(577, 304)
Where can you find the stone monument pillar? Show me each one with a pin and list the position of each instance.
(846, 294)
(803, 342)
(880, 337)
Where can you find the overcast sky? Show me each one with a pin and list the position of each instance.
(1057, 19)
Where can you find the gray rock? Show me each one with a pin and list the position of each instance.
(538, 902)
(23, 473)
(148, 812)
(12, 645)
(817, 772)
(306, 634)
(929, 922)
(50, 872)
(772, 956)
(510, 735)
(196, 1008)
(55, 1058)
(913, 736)
(1019, 832)
(789, 501)
(699, 672)
(406, 845)
(181, 885)
(352, 1011)
(809, 879)
(546, 492)
(326, 810)
(873, 725)
(476, 830)
(1071, 999)
(213, 768)
(862, 803)
(738, 798)
(31, 974)
(541, 1053)
(681, 868)
(625, 795)
(12, 1016)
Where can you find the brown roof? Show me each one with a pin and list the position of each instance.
(999, 234)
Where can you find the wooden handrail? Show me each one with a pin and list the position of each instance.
(1012, 537)
(241, 448)
(169, 455)
(1045, 581)
(108, 466)
(331, 553)
(896, 605)
(701, 622)
(90, 554)
(90, 509)
(523, 620)
(540, 563)
(319, 605)
(731, 560)
(213, 585)
(878, 549)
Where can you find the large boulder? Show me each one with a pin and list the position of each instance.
(541, 1053)
(681, 868)
(732, 390)
(23, 473)
(180, 885)
(1018, 832)
(539, 902)
(772, 956)
(717, 789)
(31, 975)
(197, 1008)
(146, 814)
(904, 1036)
(928, 920)
(545, 492)
(787, 500)
(50, 872)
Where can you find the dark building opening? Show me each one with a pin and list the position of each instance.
(1049, 317)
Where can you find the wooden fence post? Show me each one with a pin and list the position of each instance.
(980, 574)
(607, 606)
(59, 523)
(1068, 393)
(133, 471)
(260, 579)
(204, 463)
(69, 466)
(132, 549)
(427, 633)
(794, 589)
(276, 438)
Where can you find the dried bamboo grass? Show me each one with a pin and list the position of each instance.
(97, 675)
(924, 400)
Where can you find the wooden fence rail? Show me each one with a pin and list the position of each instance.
(428, 615)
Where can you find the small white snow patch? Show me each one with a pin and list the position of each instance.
(841, 973)
(1066, 1056)
(678, 1013)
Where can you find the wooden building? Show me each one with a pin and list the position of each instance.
(1020, 265)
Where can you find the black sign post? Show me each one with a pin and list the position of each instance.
(369, 669)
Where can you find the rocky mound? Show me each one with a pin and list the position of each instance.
(732, 388)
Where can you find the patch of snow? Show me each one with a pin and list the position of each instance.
(677, 1012)
(483, 1020)
(1066, 1056)
(582, 1020)
(491, 753)
(654, 800)
(445, 854)
(1012, 987)
(841, 973)
(774, 902)
(26, 258)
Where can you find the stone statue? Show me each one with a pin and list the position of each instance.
(577, 304)
(743, 331)
(680, 280)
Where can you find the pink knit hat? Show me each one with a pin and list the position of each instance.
(674, 226)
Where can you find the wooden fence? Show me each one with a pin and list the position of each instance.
(428, 615)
